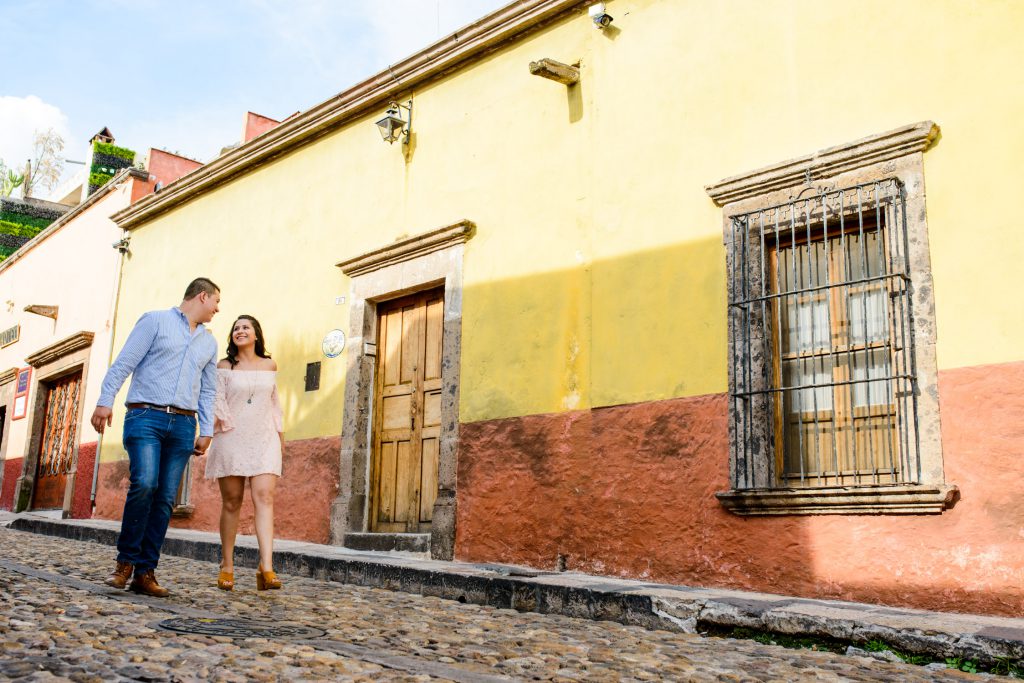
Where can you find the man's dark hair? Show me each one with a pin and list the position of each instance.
(200, 284)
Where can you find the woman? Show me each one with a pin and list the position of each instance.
(247, 444)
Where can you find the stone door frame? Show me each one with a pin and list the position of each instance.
(426, 261)
(57, 360)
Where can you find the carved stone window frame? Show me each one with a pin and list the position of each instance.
(897, 153)
(411, 265)
(62, 358)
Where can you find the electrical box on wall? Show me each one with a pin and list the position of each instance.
(313, 376)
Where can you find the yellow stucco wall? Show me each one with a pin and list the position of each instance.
(597, 274)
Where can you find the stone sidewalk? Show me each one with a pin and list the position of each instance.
(655, 606)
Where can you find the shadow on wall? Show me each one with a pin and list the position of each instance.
(628, 490)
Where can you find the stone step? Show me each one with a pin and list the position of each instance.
(405, 543)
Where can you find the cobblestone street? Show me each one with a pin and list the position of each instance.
(57, 619)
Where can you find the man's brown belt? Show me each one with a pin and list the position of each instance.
(162, 409)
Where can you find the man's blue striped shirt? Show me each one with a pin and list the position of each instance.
(170, 365)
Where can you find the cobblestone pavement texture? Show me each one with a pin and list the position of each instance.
(59, 622)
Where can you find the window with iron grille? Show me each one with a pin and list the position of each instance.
(833, 385)
(822, 351)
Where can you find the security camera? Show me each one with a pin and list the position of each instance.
(121, 245)
(599, 16)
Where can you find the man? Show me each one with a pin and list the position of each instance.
(173, 362)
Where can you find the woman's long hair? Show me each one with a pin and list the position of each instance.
(261, 350)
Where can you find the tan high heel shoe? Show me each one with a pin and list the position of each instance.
(226, 580)
(267, 580)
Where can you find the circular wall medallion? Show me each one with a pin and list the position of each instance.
(334, 343)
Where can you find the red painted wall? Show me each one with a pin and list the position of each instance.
(305, 491)
(629, 491)
(12, 470)
(81, 506)
(255, 124)
(164, 168)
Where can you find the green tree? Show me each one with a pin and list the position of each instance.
(47, 161)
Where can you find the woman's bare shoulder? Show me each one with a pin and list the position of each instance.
(270, 364)
(223, 364)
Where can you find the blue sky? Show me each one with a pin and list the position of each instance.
(180, 75)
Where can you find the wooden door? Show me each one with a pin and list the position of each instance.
(58, 442)
(407, 413)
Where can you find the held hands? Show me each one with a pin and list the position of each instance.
(102, 417)
(202, 444)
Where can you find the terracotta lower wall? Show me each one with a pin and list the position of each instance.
(629, 491)
(305, 491)
(81, 506)
(12, 470)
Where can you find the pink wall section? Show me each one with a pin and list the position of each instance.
(305, 491)
(81, 507)
(12, 470)
(629, 491)
(255, 125)
(164, 168)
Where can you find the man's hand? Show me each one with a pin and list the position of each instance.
(202, 443)
(102, 417)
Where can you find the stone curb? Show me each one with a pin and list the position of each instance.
(982, 639)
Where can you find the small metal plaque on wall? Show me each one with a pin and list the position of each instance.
(10, 335)
(21, 393)
(313, 376)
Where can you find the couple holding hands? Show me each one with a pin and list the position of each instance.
(179, 385)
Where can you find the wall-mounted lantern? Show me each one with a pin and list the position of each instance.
(392, 126)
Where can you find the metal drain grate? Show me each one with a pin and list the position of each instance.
(240, 628)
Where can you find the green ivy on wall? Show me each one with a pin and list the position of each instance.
(99, 179)
(107, 160)
(114, 151)
(22, 219)
(18, 229)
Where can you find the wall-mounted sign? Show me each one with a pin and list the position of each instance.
(21, 386)
(334, 343)
(10, 335)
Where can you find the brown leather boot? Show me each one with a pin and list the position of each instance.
(147, 585)
(119, 577)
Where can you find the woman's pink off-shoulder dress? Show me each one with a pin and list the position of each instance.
(247, 419)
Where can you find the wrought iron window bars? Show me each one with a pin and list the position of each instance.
(822, 370)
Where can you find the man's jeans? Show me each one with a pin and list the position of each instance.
(159, 445)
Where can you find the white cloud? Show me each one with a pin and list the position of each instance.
(20, 119)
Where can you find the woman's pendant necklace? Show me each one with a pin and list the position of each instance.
(252, 389)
